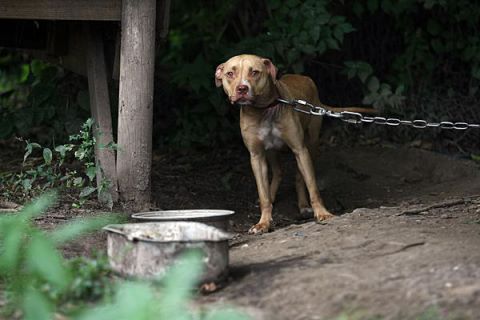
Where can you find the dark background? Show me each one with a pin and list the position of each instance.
(410, 59)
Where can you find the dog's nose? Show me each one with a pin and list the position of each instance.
(242, 89)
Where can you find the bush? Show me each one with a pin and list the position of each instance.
(51, 169)
(39, 100)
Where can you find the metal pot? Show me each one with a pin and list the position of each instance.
(147, 250)
(215, 218)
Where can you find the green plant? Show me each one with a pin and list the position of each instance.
(379, 95)
(91, 280)
(31, 268)
(38, 280)
(137, 300)
(50, 170)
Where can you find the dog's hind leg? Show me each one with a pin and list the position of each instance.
(302, 198)
(273, 160)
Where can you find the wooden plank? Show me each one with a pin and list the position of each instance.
(100, 108)
(163, 18)
(109, 10)
(137, 62)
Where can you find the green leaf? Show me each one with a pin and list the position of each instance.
(475, 157)
(47, 155)
(80, 226)
(29, 149)
(27, 184)
(25, 73)
(365, 70)
(36, 306)
(322, 18)
(332, 44)
(9, 259)
(338, 33)
(62, 150)
(132, 301)
(347, 27)
(370, 99)
(43, 259)
(400, 89)
(351, 73)
(38, 206)
(78, 182)
(87, 191)
(178, 284)
(80, 154)
(373, 84)
(385, 89)
(91, 172)
(226, 314)
(322, 47)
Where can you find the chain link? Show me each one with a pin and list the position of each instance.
(356, 118)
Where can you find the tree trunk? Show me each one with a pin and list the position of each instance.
(137, 57)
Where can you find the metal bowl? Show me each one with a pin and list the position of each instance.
(215, 218)
(147, 250)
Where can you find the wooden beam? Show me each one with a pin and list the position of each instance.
(137, 63)
(108, 10)
(100, 108)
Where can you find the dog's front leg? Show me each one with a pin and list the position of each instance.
(260, 171)
(293, 135)
(305, 166)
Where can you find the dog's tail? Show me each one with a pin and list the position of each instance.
(350, 109)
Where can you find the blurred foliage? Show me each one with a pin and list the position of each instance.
(38, 283)
(33, 274)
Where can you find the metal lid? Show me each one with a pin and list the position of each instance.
(169, 232)
(168, 215)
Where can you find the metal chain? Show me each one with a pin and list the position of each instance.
(356, 118)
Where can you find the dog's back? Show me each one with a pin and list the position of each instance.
(295, 86)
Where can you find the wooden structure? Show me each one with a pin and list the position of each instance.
(75, 41)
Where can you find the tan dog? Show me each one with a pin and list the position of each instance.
(266, 125)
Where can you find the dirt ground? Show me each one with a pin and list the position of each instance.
(405, 243)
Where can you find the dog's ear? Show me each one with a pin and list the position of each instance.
(272, 70)
(219, 75)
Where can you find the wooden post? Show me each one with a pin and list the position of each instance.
(137, 57)
(100, 108)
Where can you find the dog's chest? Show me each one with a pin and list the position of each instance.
(270, 135)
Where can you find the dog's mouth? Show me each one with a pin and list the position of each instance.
(242, 100)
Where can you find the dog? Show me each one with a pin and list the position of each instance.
(266, 126)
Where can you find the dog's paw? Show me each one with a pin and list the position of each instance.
(259, 228)
(324, 215)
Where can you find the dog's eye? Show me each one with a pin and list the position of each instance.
(229, 74)
(255, 73)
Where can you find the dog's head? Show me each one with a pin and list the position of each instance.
(247, 80)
